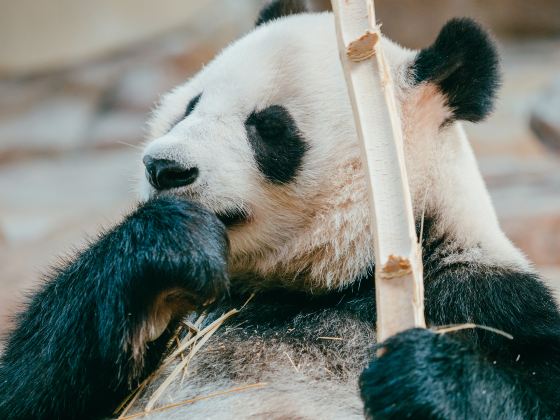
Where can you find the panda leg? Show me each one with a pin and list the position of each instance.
(473, 374)
(100, 324)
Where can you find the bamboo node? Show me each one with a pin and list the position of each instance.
(396, 266)
(363, 47)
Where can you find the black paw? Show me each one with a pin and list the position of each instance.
(414, 378)
(101, 323)
(172, 244)
(167, 258)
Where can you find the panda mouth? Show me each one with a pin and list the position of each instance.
(235, 217)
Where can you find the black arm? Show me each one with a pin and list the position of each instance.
(472, 373)
(101, 323)
(513, 301)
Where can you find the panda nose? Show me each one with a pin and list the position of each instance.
(165, 174)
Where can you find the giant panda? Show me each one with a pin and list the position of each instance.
(253, 184)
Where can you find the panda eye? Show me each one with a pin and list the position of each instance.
(270, 123)
(277, 144)
(192, 105)
(271, 127)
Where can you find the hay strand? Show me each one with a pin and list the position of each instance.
(193, 342)
(196, 399)
(198, 340)
(444, 329)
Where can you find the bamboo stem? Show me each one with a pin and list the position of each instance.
(398, 278)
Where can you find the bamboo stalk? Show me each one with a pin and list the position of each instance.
(398, 269)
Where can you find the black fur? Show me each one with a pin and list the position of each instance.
(278, 145)
(192, 105)
(474, 373)
(277, 8)
(463, 63)
(425, 375)
(274, 308)
(188, 111)
(70, 355)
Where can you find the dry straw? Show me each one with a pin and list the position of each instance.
(186, 349)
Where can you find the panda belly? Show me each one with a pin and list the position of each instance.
(307, 363)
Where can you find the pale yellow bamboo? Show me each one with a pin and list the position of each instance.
(398, 277)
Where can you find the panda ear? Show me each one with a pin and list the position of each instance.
(277, 8)
(463, 65)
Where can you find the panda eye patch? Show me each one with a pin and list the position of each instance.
(270, 123)
(277, 143)
(190, 108)
(192, 105)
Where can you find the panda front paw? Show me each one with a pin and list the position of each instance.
(174, 260)
(175, 244)
(416, 377)
(101, 324)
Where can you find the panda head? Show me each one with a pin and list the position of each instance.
(264, 136)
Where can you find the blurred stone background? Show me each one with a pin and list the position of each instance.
(78, 78)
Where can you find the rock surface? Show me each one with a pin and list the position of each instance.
(545, 117)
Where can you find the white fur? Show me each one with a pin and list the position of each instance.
(313, 233)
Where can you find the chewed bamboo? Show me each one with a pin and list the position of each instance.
(398, 278)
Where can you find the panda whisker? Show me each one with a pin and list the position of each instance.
(134, 146)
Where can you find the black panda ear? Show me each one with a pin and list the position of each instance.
(463, 64)
(277, 8)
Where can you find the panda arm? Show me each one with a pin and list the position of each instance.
(101, 323)
(473, 373)
(513, 301)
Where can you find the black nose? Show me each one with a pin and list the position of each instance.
(165, 174)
